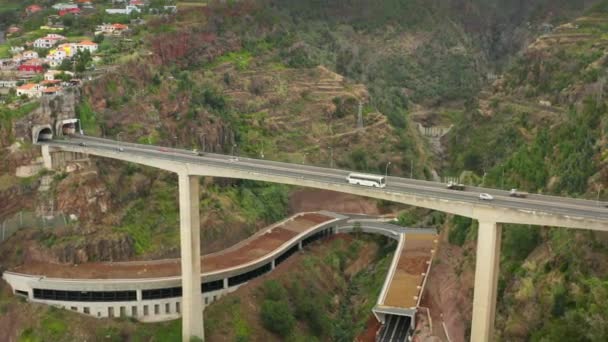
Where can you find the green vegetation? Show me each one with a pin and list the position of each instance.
(88, 118)
(277, 317)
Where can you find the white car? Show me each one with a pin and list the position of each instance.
(485, 197)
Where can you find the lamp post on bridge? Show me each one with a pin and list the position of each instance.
(118, 139)
(598, 195)
(386, 169)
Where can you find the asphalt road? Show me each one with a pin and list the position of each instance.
(540, 203)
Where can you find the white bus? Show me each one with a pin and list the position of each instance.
(367, 180)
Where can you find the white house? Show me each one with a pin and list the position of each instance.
(86, 45)
(49, 41)
(127, 10)
(64, 6)
(51, 74)
(30, 90)
(29, 54)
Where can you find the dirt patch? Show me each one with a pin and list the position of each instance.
(313, 200)
(448, 293)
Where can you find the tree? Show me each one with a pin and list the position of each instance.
(82, 58)
(277, 317)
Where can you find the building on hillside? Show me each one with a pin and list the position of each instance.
(31, 9)
(64, 6)
(7, 83)
(52, 75)
(111, 29)
(74, 11)
(13, 29)
(29, 54)
(17, 49)
(53, 90)
(137, 3)
(30, 90)
(86, 45)
(8, 64)
(127, 10)
(33, 65)
(55, 57)
(52, 27)
(49, 41)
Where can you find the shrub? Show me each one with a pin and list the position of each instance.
(277, 317)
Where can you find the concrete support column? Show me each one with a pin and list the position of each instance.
(300, 245)
(225, 283)
(273, 264)
(46, 157)
(192, 308)
(486, 281)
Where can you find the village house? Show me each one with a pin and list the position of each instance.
(52, 27)
(32, 65)
(49, 41)
(64, 6)
(17, 49)
(29, 90)
(8, 83)
(74, 11)
(31, 9)
(48, 91)
(86, 45)
(13, 29)
(29, 54)
(127, 10)
(52, 74)
(8, 64)
(111, 29)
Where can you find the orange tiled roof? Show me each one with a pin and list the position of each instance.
(87, 42)
(28, 86)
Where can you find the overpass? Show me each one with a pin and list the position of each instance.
(533, 210)
(150, 291)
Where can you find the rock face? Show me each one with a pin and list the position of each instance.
(112, 248)
(51, 110)
(83, 195)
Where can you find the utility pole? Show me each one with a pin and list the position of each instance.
(360, 116)
(386, 169)
(412, 168)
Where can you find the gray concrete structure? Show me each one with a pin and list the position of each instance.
(533, 210)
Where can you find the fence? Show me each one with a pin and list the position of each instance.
(25, 219)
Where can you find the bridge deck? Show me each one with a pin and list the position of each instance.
(405, 286)
(262, 243)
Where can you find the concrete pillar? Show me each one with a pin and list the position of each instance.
(225, 283)
(486, 281)
(300, 245)
(46, 157)
(192, 309)
(273, 264)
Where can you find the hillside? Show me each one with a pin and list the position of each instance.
(521, 84)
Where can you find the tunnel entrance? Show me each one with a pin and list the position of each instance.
(68, 127)
(42, 133)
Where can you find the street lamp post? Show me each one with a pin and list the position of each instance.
(331, 157)
(232, 150)
(386, 169)
(598, 195)
(304, 158)
(118, 139)
(412, 168)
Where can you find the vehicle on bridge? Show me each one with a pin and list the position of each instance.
(515, 193)
(485, 197)
(366, 180)
(455, 186)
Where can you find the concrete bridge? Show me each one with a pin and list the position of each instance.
(533, 210)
